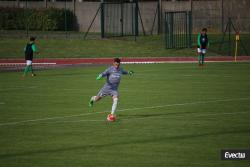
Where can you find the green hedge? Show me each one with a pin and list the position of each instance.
(36, 19)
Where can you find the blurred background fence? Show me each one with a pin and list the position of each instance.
(72, 19)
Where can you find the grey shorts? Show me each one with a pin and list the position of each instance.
(106, 91)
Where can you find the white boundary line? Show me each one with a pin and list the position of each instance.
(131, 62)
(3, 64)
(180, 116)
(49, 118)
(179, 61)
(137, 108)
(183, 104)
(18, 88)
(160, 117)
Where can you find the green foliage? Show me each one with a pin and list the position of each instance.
(35, 19)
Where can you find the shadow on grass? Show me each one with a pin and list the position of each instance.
(138, 116)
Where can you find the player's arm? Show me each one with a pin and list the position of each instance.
(208, 43)
(34, 48)
(130, 72)
(24, 49)
(103, 74)
(198, 41)
(99, 77)
(124, 72)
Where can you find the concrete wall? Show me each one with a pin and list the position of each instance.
(239, 10)
(210, 13)
(148, 10)
(207, 15)
(170, 6)
(85, 13)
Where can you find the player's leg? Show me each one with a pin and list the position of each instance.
(199, 55)
(32, 72)
(102, 93)
(111, 116)
(94, 99)
(27, 68)
(203, 56)
(114, 105)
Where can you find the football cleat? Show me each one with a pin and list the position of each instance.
(91, 103)
(111, 118)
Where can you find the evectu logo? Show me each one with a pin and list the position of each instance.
(235, 154)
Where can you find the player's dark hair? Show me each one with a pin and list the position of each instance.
(204, 29)
(117, 60)
(32, 38)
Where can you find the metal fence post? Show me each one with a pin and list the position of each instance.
(190, 28)
(102, 20)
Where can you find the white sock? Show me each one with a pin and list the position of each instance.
(93, 98)
(114, 106)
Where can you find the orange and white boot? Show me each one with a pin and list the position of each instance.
(111, 118)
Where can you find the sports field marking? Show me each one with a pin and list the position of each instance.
(18, 88)
(183, 104)
(189, 114)
(137, 108)
(12, 64)
(83, 120)
(49, 118)
(156, 62)
(157, 117)
(179, 61)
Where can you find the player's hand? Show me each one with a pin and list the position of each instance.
(131, 72)
(99, 77)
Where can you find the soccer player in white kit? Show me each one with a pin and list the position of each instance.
(113, 77)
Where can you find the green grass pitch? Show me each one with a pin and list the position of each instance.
(168, 115)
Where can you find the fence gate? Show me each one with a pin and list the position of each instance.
(178, 29)
(119, 19)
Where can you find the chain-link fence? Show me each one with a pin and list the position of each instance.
(223, 21)
(72, 19)
(178, 29)
(119, 19)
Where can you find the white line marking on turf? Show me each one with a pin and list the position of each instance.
(183, 104)
(50, 118)
(159, 117)
(83, 120)
(137, 108)
(156, 117)
(178, 62)
(18, 88)
(5, 64)
(192, 114)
